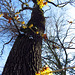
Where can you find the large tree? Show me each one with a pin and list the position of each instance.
(25, 55)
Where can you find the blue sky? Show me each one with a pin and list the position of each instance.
(70, 12)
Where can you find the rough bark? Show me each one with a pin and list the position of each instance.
(25, 55)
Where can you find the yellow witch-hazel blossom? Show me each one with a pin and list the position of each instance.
(50, 0)
(16, 17)
(44, 71)
(1, 15)
(22, 22)
(31, 26)
(41, 3)
(37, 32)
(17, 13)
(24, 26)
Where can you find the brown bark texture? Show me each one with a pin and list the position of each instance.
(25, 55)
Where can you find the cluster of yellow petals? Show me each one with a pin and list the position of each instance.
(1, 15)
(41, 3)
(31, 26)
(17, 17)
(24, 26)
(44, 71)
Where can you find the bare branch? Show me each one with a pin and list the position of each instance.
(59, 5)
(25, 8)
(63, 69)
(21, 1)
(69, 48)
(53, 42)
(4, 46)
(61, 44)
(66, 33)
(51, 61)
(16, 26)
(56, 57)
(71, 40)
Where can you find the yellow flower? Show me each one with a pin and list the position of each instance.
(41, 3)
(57, 47)
(37, 32)
(17, 13)
(49, 0)
(16, 17)
(42, 72)
(22, 22)
(31, 26)
(18, 21)
(37, 73)
(26, 4)
(1, 15)
(24, 27)
(47, 70)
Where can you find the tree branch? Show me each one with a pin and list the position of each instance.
(52, 3)
(4, 46)
(55, 55)
(59, 5)
(66, 34)
(69, 48)
(61, 44)
(21, 1)
(51, 61)
(16, 26)
(63, 69)
(25, 8)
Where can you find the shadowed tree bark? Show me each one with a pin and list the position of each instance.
(25, 55)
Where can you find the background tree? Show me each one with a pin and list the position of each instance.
(56, 48)
(25, 56)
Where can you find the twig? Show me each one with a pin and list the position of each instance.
(53, 42)
(61, 44)
(59, 5)
(60, 70)
(16, 26)
(25, 8)
(63, 69)
(4, 46)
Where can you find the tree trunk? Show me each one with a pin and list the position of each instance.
(25, 56)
